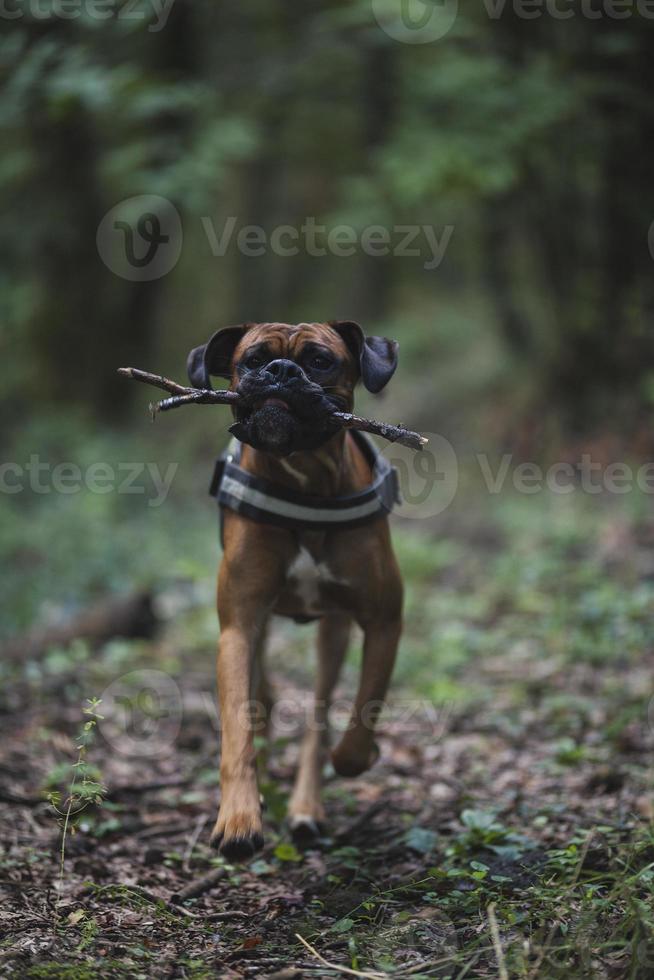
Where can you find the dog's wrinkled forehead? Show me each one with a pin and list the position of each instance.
(288, 339)
(373, 359)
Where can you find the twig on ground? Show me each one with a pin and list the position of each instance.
(129, 615)
(183, 395)
(359, 822)
(199, 886)
(337, 966)
(497, 942)
(143, 893)
(221, 916)
(18, 800)
(138, 789)
(441, 960)
(162, 829)
(195, 836)
(535, 971)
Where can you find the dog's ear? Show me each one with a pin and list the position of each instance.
(214, 357)
(376, 356)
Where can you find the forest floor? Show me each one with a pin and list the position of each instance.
(505, 832)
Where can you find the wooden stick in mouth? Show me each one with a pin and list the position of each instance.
(184, 395)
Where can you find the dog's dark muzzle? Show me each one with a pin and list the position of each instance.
(282, 411)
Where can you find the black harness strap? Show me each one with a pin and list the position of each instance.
(269, 503)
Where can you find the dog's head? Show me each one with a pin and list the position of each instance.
(292, 377)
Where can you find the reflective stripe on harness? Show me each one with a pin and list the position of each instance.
(269, 503)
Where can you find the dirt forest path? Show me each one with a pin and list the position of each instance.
(507, 834)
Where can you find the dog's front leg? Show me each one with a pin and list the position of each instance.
(238, 827)
(245, 597)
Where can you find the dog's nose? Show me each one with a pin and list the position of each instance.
(283, 370)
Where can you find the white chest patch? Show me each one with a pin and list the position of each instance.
(305, 576)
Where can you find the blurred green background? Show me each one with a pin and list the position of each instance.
(529, 139)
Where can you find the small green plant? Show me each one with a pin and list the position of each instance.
(568, 752)
(85, 787)
(484, 832)
(89, 932)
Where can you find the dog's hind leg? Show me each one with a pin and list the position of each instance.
(305, 812)
(357, 750)
(381, 621)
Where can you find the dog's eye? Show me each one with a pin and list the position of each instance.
(254, 361)
(320, 363)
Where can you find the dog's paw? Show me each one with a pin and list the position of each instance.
(349, 763)
(237, 837)
(305, 828)
(237, 848)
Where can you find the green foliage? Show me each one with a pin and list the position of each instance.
(558, 909)
(343, 925)
(287, 852)
(270, 118)
(420, 839)
(83, 787)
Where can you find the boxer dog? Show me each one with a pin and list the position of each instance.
(290, 377)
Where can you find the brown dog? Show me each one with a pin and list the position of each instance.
(289, 378)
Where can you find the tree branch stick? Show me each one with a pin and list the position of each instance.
(183, 395)
(394, 433)
(187, 395)
(337, 966)
(199, 886)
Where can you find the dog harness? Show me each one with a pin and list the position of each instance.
(269, 503)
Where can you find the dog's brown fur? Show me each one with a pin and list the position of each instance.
(363, 587)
